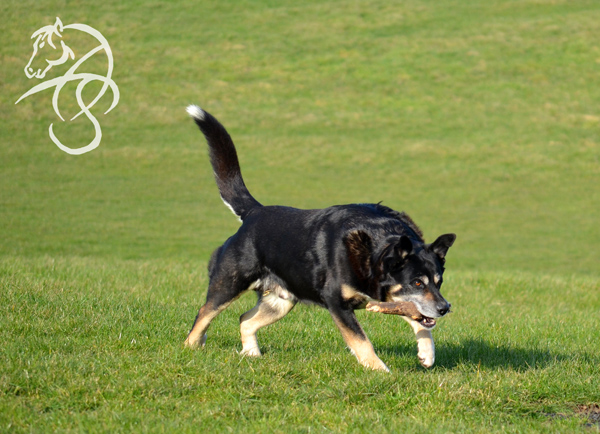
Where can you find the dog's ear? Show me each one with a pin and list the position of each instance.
(360, 247)
(395, 258)
(404, 247)
(442, 244)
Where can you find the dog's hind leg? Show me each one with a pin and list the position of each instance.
(221, 293)
(197, 336)
(270, 307)
(425, 343)
(356, 339)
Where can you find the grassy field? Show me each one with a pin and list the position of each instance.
(478, 117)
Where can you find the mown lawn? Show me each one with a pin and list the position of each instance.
(479, 118)
(96, 345)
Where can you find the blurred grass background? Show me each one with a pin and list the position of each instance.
(474, 117)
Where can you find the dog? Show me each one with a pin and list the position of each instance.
(339, 258)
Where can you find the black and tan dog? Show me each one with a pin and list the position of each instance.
(339, 257)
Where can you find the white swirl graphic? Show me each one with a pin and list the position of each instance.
(43, 37)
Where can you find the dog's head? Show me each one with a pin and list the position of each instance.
(403, 271)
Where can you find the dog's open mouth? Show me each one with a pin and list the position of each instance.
(427, 322)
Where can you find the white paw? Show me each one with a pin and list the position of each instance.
(252, 352)
(427, 359)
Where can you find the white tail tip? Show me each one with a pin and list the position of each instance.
(195, 112)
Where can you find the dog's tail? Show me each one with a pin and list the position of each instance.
(225, 163)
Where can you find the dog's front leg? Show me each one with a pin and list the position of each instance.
(425, 343)
(356, 339)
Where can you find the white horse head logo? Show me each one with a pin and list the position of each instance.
(44, 37)
(58, 53)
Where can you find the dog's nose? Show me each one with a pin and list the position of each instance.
(444, 310)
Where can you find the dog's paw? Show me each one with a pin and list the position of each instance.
(375, 364)
(382, 368)
(195, 344)
(427, 361)
(251, 352)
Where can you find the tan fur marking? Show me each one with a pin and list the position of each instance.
(395, 293)
(197, 336)
(396, 288)
(361, 348)
(349, 293)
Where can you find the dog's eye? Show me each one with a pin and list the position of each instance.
(419, 284)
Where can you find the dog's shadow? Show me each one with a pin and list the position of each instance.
(477, 352)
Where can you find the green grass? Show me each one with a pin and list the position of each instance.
(96, 345)
(476, 117)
